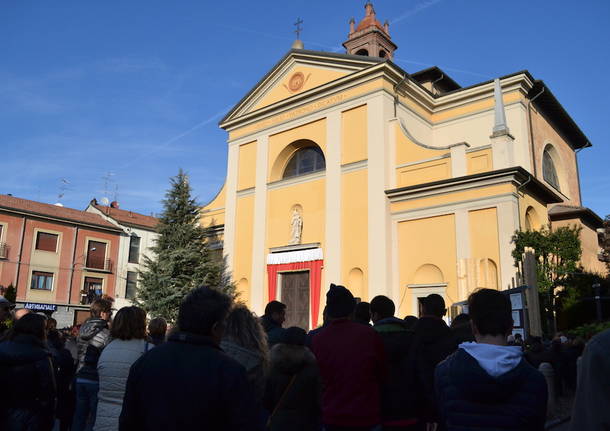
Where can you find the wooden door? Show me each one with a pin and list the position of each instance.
(295, 294)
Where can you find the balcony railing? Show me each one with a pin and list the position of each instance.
(3, 250)
(99, 265)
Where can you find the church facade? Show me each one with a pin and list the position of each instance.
(344, 168)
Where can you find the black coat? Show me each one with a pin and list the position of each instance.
(27, 402)
(188, 383)
(470, 399)
(274, 331)
(297, 408)
(398, 393)
(432, 343)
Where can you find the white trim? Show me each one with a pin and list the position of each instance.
(354, 166)
(431, 159)
(452, 207)
(231, 207)
(332, 234)
(257, 274)
(296, 180)
(245, 192)
(295, 256)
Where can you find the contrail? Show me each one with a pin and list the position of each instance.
(418, 8)
(170, 141)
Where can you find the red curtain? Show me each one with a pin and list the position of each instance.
(315, 280)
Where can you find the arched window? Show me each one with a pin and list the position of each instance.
(362, 52)
(549, 172)
(305, 161)
(382, 54)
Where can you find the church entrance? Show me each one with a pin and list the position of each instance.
(295, 294)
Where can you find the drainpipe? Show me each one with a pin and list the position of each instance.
(531, 129)
(20, 254)
(578, 173)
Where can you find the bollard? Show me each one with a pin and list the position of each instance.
(549, 374)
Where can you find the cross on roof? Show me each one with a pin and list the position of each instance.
(299, 29)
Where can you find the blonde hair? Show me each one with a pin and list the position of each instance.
(244, 329)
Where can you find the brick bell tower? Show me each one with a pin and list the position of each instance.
(370, 38)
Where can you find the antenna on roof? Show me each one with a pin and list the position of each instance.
(63, 186)
(107, 180)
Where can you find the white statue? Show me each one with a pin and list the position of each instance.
(296, 227)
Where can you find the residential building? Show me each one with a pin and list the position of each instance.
(137, 237)
(345, 168)
(59, 259)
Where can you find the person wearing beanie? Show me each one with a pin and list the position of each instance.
(352, 364)
(292, 394)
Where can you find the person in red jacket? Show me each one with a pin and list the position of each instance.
(352, 365)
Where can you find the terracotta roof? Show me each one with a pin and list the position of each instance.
(129, 218)
(369, 19)
(53, 211)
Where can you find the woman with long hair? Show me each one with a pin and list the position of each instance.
(245, 341)
(27, 377)
(128, 334)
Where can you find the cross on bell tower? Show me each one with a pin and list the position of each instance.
(370, 38)
(298, 43)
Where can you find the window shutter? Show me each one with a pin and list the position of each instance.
(96, 254)
(46, 241)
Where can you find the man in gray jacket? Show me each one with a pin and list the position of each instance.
(94, 335)
(593, 393)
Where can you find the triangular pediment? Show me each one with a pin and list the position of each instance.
(297, 73)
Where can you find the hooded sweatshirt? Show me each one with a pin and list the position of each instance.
(486, 387)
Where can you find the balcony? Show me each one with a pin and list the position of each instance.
(99, 265)
(3, 250)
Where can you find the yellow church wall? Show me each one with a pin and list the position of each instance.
(312, 77)
(354, 135)
(484, 244)
(427, 256)
(409, 152)
(425, 172)
(280, 202)
(242, 259)
(533, 213)
(309, 108)
(479, 161)
(443, 199)
(564, 157)
(465, 109)
(354, 228)
(283, 145)
(589, 243)
(213, 213)
(246, 173)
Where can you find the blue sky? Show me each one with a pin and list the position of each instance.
(136, 88)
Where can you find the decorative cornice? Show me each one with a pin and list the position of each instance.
(296, 180)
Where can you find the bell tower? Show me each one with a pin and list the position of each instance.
(370, 38)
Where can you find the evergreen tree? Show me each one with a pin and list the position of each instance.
(181, 258)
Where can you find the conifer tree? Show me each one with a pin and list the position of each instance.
(181, 259)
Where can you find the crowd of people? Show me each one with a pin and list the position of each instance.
(223, 368)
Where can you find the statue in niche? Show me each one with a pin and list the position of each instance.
(296, 227)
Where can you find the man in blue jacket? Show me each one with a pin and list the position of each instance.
(488, 385)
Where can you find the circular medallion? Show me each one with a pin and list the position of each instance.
(296, 81)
